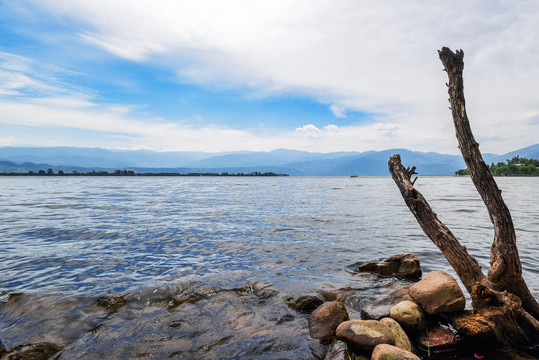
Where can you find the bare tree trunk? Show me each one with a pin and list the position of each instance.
(464, 264)
(504, 307)
(505, 269)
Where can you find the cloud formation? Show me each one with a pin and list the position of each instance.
(367, 56)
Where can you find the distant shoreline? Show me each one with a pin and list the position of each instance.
(122, 173)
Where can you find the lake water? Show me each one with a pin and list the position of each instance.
(187, 257)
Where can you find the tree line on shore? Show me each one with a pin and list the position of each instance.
(50, 172)
(516, 166)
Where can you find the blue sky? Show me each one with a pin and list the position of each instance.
(260, 75)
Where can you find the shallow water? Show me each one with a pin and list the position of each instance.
(189, 256)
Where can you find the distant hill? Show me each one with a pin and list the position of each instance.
(292, 162)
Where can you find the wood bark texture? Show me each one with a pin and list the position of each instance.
(506, 270)
(464, 264)
(503, 305)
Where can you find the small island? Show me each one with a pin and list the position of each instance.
(517, 166)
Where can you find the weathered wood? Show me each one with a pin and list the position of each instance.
(504, 309)
(506, 270)
(464, 264)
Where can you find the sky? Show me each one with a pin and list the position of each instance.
(258, 75)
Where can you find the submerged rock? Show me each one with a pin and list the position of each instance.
(307, 303)
(389, 352)
(2, 348)
(410, 315)
(438, 339)
(438, 293)
(338, 350)
(381, 308)
(112, 303)
(365, 334)
(318, 349)
(401, 339)
(263, 290)
(39, 351)
(325, 319)
(401, 265)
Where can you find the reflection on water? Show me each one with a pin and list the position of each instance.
(66, 241)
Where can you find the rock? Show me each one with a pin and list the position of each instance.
(364, 334)
(307, 303)
(409, 315)
(381, 308)
(401, 339)
(338, 350)
(2, 349)
(438, 338)
(389, 352)
(325, 319)
(39, 351)
(402, 265)
(111, 303)
(318, 350)
(262, 290)
(438, 293)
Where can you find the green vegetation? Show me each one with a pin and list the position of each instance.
(517, 166)
(50, 172)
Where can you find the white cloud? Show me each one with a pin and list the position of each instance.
(7, 141)
(331, 127)
(370, 56)
(338, 110)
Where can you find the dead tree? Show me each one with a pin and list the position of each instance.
(503, 305)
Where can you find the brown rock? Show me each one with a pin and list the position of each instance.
(39, 351)
(438, 293)
(364, 334)
(389, 352)
(325, 319)
(401, 265)
(381, 308)
(438, 338)
(401, 339)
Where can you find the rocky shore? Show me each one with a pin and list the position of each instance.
(421, 321)
(418, 320)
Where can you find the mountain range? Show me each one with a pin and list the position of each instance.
(292, 162)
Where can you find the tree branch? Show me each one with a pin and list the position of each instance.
(464, 264)
(506, 269)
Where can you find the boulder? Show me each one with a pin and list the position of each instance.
(364, 334)
(438, 339)
(389, 352)
(307, 303)
(438, 293)
(381, 308)
(409, 315)
(38, 351)
(325, 319)
(401, 339)
(401, 265)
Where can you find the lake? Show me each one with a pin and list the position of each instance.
(205, 266)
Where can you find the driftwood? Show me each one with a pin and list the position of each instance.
(503, 305)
